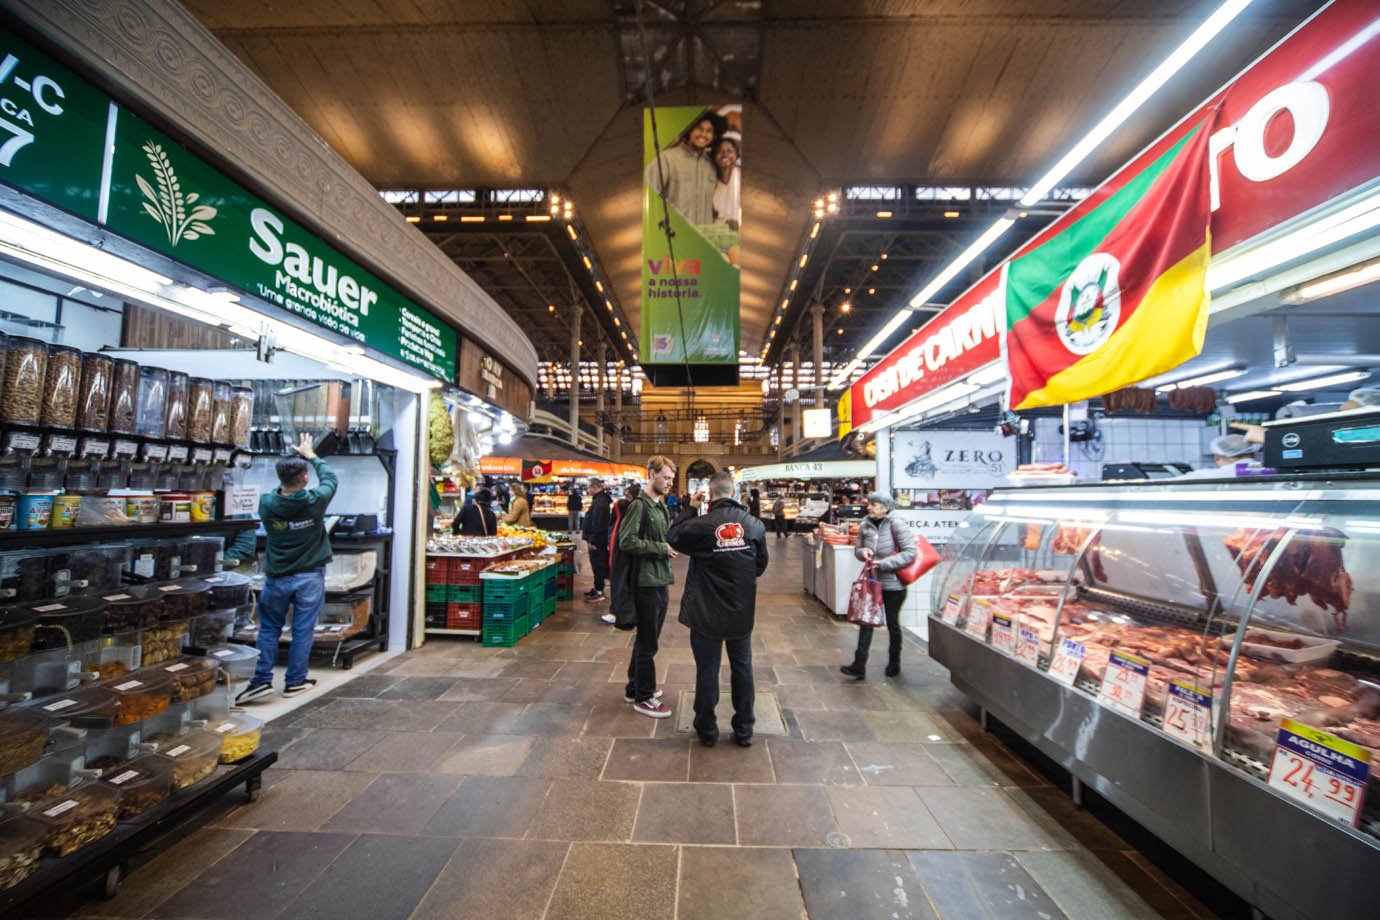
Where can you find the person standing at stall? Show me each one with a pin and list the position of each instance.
(642, 535)
(293, 517)
(574, 504)
(727, 547)
(598, 523)
(519, 512)
(886, 542)
(620, 508)
(755, 504)
(476, 518)
(778, 510)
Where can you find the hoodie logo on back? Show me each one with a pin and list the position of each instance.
(729, 535)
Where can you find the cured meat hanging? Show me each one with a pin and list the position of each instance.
(1311, 565)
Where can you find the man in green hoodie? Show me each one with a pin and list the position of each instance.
(294, 568)
(642, 536)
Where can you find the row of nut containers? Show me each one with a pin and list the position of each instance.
(75, 763)
(42, 509)
(99, 568)
(63, 387)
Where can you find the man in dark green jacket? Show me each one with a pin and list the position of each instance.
(294, 568)
(642, 536)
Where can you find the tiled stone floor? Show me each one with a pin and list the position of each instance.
(462, 782)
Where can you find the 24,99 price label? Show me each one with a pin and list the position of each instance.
(1123, 684)
(1002, 638)
(1321, 771)
(1188, 715)
(1068, 659)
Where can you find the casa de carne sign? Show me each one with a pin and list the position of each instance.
(53, 131)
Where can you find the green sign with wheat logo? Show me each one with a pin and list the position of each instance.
(169, 199)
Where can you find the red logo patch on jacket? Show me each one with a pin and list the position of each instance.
(729, 534)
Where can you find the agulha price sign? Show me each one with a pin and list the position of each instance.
(1320, 771)
(1123, 684)
(1188, 715)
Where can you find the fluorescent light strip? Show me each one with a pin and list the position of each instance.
(1202, 379)
(1363, 274)
(1318, 383)
(1171, 65)
(1251, 396)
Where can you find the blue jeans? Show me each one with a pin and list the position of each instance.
(305, 592)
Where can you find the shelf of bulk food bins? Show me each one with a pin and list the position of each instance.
(104, 863)
(27, 539)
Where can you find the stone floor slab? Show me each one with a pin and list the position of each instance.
(685, 813)
(982, 886)
(784, 816)
(494, 878)
(616, 882)
(722, 882)
(861, 885)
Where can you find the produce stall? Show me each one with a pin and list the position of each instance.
(1206, 657)
(495, 588)
(550, 470)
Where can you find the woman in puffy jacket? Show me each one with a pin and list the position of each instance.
(887, 542)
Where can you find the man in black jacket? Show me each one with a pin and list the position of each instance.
(728, 553)
(598, 523)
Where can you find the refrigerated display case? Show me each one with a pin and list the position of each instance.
(1206, 656)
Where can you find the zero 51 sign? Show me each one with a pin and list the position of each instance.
(53, 129)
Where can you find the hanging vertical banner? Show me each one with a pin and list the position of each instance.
(691, 222)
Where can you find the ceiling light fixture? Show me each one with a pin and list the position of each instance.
(1353, 278)
(505, 217)
(1319, 383)
(439, 217)
(412, 219)
(1171, 65)
(471, 218)
(1251, 396)
(845, 306)
(1202, 380)
(570, 231)
(536, 218)
(884, 215)
(951, 214)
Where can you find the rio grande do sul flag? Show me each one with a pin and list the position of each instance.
(1119, 296)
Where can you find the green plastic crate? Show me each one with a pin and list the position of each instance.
(436, 594)
(504, 613)
(548, 607)
(464, 594)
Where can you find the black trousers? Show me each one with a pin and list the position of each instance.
(651, 614)
(782, 525)
(599, 565)
(892, 601)
(707, 683)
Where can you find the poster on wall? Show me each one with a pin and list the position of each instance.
(691, 225)
(940, 460)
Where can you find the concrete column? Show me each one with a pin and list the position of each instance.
(781, 416)
(602, 352)
(618, 413)
(795, 406)
(817, 322)
(575, 375)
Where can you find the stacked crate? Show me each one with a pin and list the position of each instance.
(506, 609)
(453, 593)
(565, 573)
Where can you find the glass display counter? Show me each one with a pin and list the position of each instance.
(1205, 655)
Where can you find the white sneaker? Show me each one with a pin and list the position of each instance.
(656, 695)
(653, 708)
(608, 618)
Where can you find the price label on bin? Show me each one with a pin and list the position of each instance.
(1188, 715)
(1068, 658)
(1002, 638)
(1320, 771)
(1028, 645)
(1123, 684)
(953, 606)
(979, 618)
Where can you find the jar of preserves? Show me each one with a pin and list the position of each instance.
(62, 387)
(176, 428)
(241, 415)
(26, 366)
(220, 414)
(200, 409)
(151, 418)
(124, 397)
(93, 395)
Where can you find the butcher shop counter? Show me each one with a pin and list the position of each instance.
(1204, 655)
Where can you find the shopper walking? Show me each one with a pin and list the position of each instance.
(598, 523)
(620, 508)
(476, 518)
(294, 569)
(887, 542)
(727, 547)
(755, 504)
(574, 504)
(778, 510)
(519, 512)
(642, 535)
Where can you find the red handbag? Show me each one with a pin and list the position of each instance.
(865, 599)
(926, 558)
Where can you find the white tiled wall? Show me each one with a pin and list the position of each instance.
(1126, 440)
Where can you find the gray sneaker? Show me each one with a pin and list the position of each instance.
(253, 693)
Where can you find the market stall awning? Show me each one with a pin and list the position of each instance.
(556, 459)
(810, 469)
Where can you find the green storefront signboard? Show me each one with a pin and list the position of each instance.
(53, 128)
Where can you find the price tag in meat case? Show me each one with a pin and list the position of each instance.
(1028, 645)
(953, 606)
(1188, 715)
(1002, 638)
(1123, 684)
(979, 617)
(1320, 771)
(1068, 658)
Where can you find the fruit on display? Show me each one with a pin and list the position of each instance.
(477, 546)
(539, 538)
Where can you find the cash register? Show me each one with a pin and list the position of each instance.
(1337, 440)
